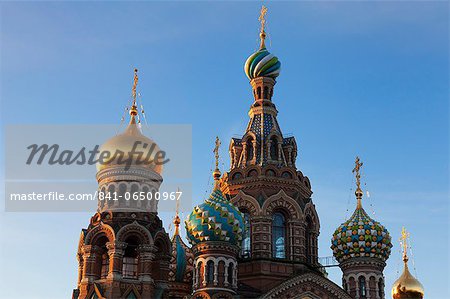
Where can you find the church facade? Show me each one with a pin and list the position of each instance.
(255, 236)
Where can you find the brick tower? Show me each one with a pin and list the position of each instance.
(281, 223)
(125, 252)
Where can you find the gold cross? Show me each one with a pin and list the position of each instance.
(262, 17)
(216, 151)
(357, 168)
(135, 82)
(404, 242)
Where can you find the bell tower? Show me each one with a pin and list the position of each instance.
(281, 224)
(125, 251)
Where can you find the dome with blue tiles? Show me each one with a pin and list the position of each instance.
(216, 219)
(360, 236)
(182, 260)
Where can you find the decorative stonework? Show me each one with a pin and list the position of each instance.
(300, 286)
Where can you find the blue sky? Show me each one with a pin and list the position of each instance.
(358, 78)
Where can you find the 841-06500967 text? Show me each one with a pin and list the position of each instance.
(175, 195)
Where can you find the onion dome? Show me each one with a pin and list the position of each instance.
(407, 286)
(130, 148)
(217, 219)
(262, 63)
(182, 260)
(360, 236)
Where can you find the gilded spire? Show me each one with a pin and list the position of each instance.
(262, 33)
(406, 286)
(358, 191)
(216, 173)
(133, 110)
(177, 220)
(404, 244)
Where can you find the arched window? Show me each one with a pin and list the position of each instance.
(278, 236)
(102, 260)
(274, 149)
(130, 259)
(362, 287)
(344, 283)
(209, 272)
(309, 242)
(266, 92)
(258, 92)
(380, 288)
(105, 265)
(230, 273)
(249, 149)
(199, 277)
(246, 240)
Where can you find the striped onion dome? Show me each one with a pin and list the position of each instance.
(361, 236)
(262, 64)
(216, 219)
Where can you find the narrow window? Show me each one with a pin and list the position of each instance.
(362, 287)
(249, 149)
(210, 272)
(380, 288)
(279, 236)
(230, 273)
(130, 259)
(105, 265)
(246, 240)
(266, 92)
(274, 149)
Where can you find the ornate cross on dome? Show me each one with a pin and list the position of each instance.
(216, 173)
(356, 170)
(216, 151)
(262, 19)
(177, 220)
(135, 82)
(404, 244)
(133, 110)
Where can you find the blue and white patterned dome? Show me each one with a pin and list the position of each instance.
(216, 219)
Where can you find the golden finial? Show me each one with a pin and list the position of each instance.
(358, 191)
(133, 110)
(404, 244)
(262, 33)
(216, 173)
(177, 220)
